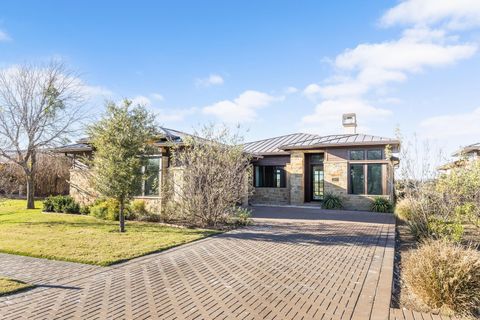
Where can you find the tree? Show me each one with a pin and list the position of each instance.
(39, 107)
(120, 141)
(215, 175)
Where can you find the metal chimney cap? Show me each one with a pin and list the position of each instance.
(349, 120)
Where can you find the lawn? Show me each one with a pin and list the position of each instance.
(8, 286)
(83, 239)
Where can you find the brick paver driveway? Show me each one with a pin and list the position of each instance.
(322, 266)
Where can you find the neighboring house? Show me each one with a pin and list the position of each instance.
(295, 169)
(462, 157)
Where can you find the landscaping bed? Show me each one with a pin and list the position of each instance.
(82, 238)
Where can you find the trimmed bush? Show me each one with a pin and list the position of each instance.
(61, 204)
(332, 201)
(108, 209)
(138, 210)
(380, 204)
(444, 276)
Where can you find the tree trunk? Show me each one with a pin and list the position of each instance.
(121, 217)
(30, 191)
(31, 182)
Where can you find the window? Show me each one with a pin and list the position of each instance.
(150, 178)
(374, 179)
(269, 177)
(357, 155)
(374, 154)
(357, 179)
(366, 179)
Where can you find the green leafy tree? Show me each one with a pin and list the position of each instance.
(120, 140)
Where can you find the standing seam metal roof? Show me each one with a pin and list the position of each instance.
(299, 140)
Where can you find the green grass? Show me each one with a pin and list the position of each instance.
(8, 286)
(83, 239)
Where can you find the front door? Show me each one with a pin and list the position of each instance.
(317, 182)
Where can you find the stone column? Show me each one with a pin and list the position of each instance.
(296, 170)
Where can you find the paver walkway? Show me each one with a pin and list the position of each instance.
(324, 266)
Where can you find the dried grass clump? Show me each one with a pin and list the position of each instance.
(445, 276)
(404, 209)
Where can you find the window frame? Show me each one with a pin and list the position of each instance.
(276, 184)
(142, 190)
(365, 165)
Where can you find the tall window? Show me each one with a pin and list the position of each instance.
(150, 178)
(366, 179)
(269, 177)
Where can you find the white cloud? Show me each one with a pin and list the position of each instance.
(241, 109)
(157, 96)
(291, 90)
(174, 115)
(211, 80)
(4, 36)
(327, 115)
(452, 14)
(452, 126)
(96, 91)
(141, 100)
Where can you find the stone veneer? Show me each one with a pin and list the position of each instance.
(295, 171)
(270, 196)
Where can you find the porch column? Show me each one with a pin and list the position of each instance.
(296, 170)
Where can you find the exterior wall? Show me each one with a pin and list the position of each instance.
(337, 180)
(295, 169)
(80, 189)
(270, 196)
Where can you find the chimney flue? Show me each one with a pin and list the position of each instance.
(349, 121)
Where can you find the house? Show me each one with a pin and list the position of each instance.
(462, 157)
(294, 169)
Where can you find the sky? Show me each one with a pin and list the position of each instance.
(275, 67)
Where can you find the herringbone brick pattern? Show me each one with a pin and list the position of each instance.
(282, 270)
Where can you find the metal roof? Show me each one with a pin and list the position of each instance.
(272, 145)
(467, 149)
(280, 145)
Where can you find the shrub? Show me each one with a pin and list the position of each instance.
(444, 276)
(449, 230)
(139, 211)
(241, 216)
(380, 204)
(404, 209)
(332, 201)
(108, 209)
(85, 210)
(61, 204)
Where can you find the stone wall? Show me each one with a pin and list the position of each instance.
(270, 196)
(295, 169)
(80, 188)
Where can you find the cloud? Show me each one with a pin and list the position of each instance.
(452, 125)
(211, 80)
(95, 91)
(141, 100)
(291, 90)
(451, 14)
(241, 109)
(327, 115)
(157, 96)
(4, 36)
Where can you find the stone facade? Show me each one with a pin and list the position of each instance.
(270, 196)
(295, 171)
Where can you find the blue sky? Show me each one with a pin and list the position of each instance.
(275, 67)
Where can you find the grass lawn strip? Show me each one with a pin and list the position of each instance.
(83, 239)
(9, 286)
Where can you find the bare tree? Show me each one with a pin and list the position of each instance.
(39, 108)
(212, 176)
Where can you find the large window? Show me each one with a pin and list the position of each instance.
(370, 154)
(366, 179)
(150, 178)
(269, 177)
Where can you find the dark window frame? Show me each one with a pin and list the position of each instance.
(366, 178)
(278, 172)
(143, 192)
